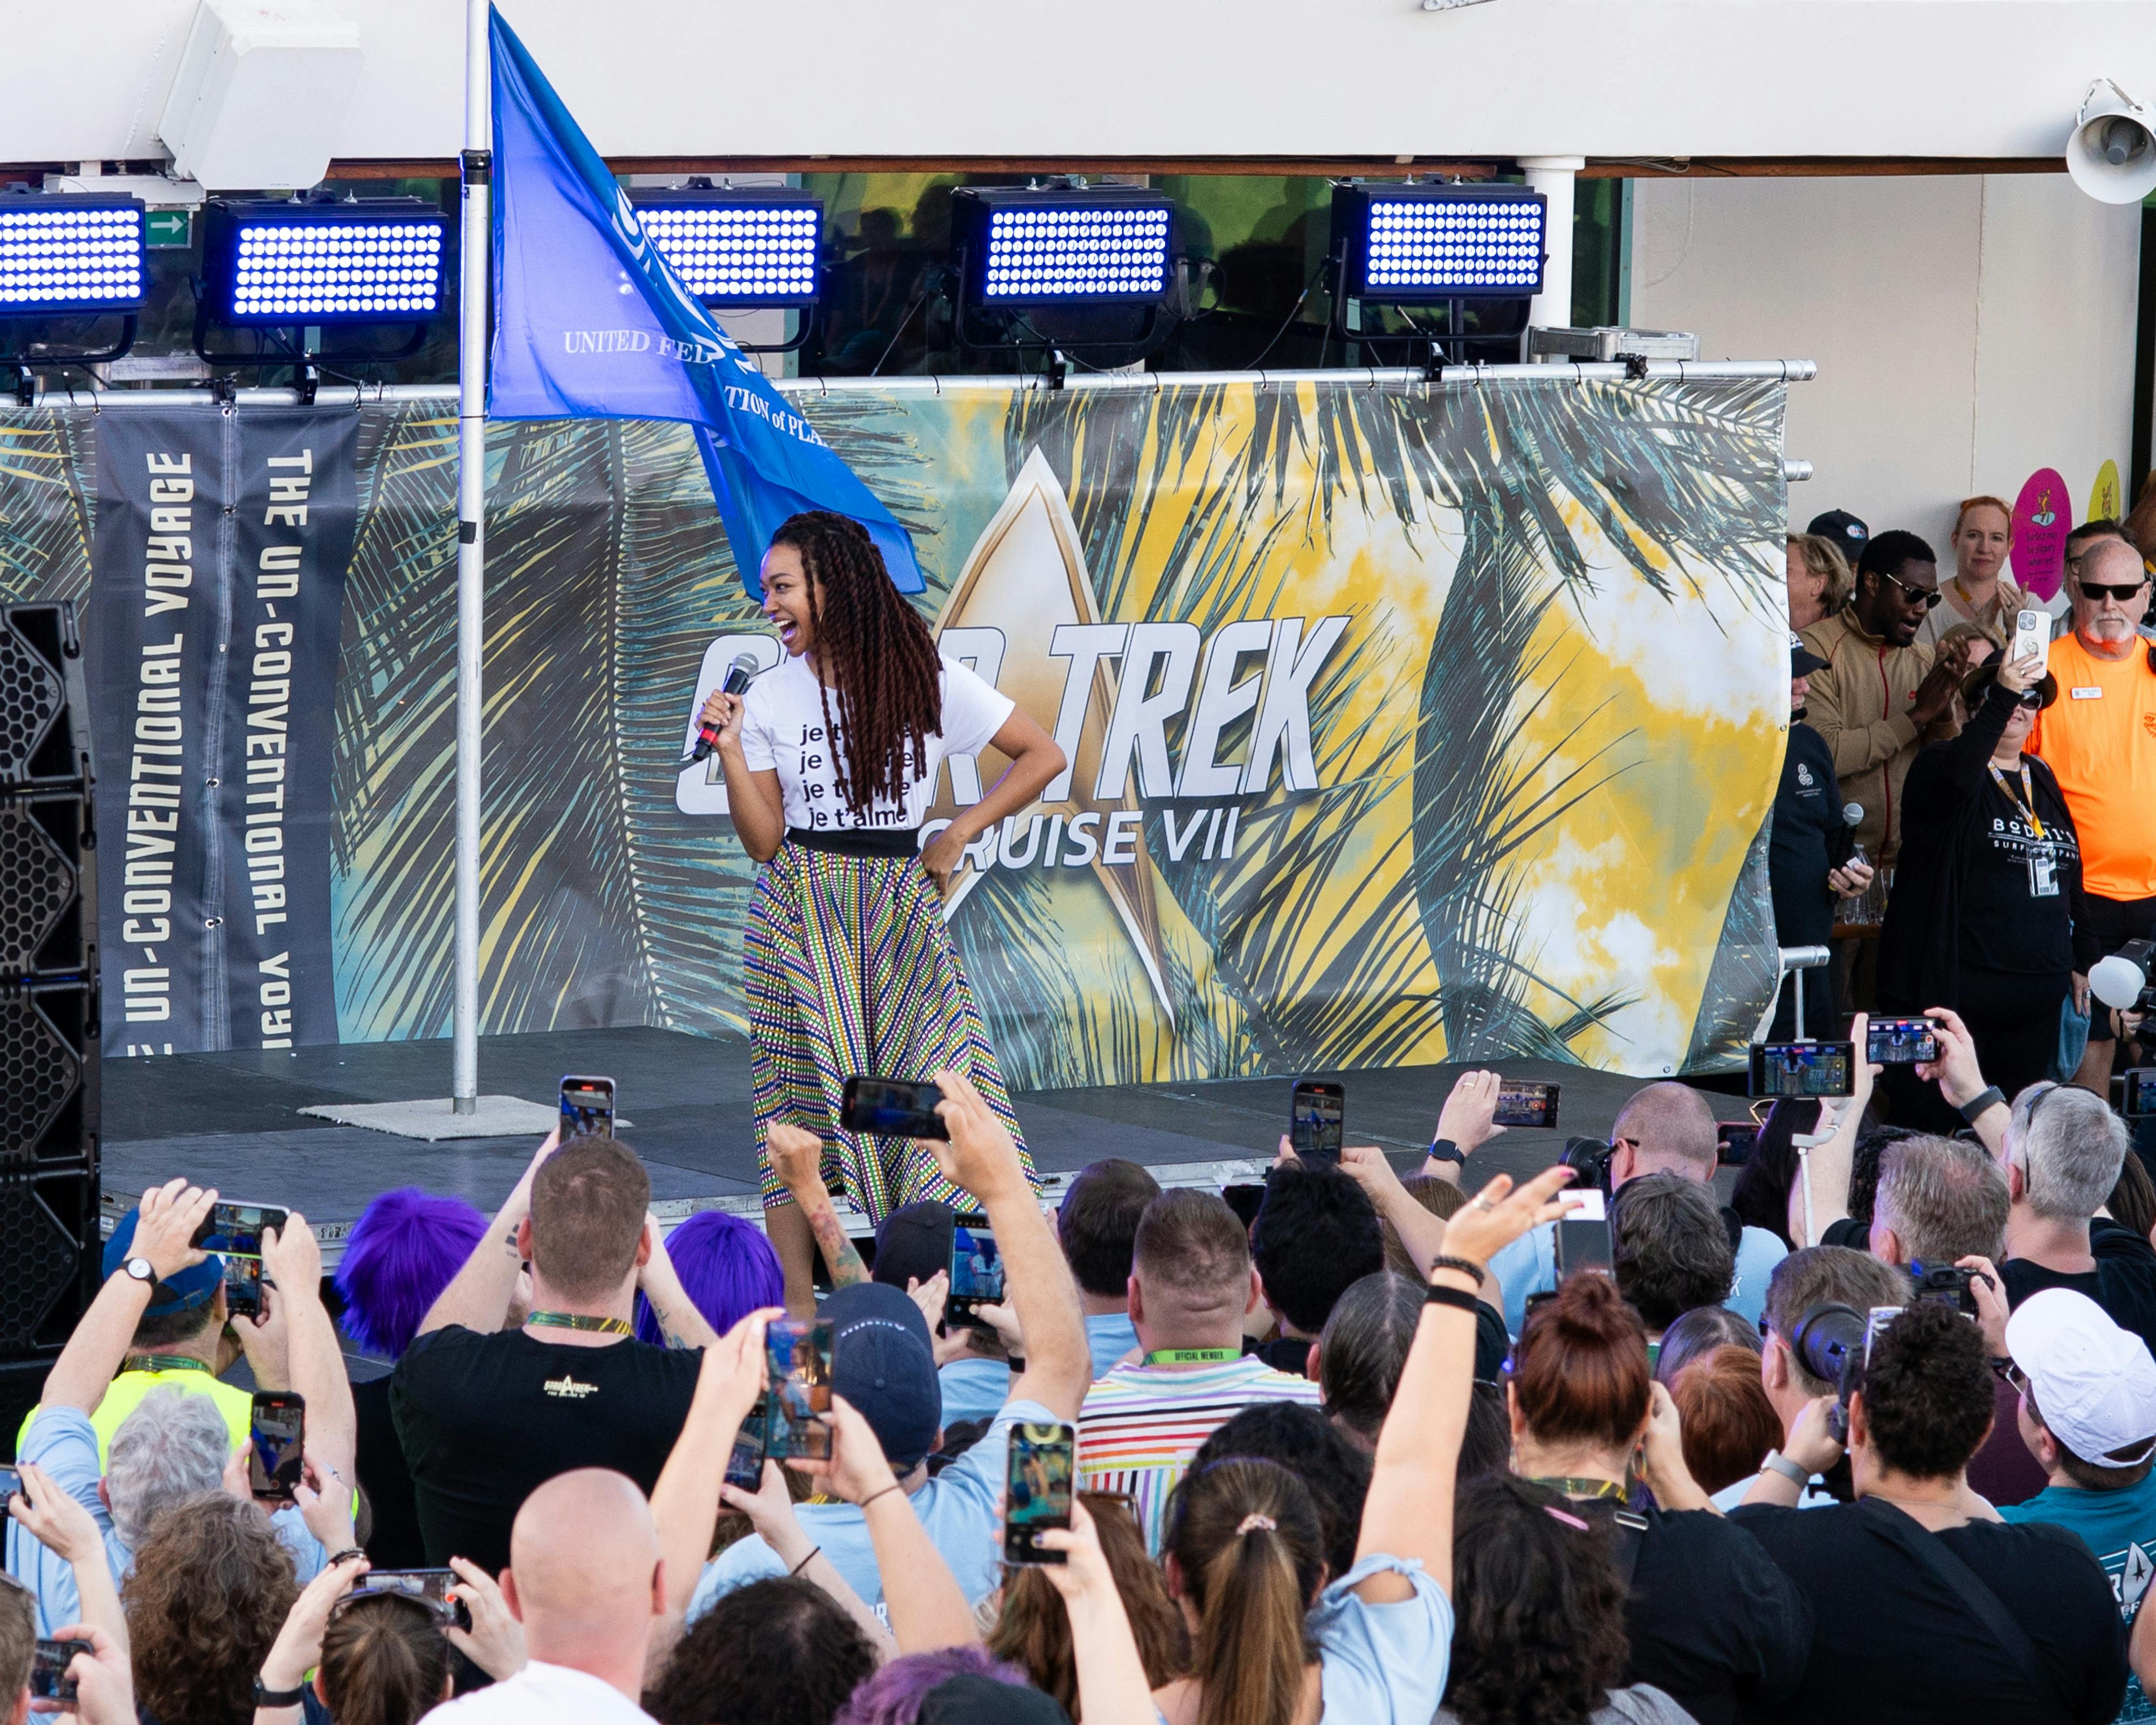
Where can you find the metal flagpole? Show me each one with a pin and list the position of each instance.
(478, 166)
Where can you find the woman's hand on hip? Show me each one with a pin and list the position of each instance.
(942, 855)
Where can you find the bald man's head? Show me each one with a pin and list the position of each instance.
(583, 1571)
(1670, 1129)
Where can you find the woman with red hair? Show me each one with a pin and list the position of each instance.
(1980, 592)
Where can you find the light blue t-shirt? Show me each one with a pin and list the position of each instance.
(973, 1389)
(62, 1441)
(960, 1508)
(1529, 1266)
(1381, 1665)
(1111, 1336)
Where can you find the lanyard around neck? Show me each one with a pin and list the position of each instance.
(579, 1320)
(1192, 1356)
(2025, 803)
(161, 1362)
(1570, 1487)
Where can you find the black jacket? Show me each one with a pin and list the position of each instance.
(1943, 812)
(1808, 838)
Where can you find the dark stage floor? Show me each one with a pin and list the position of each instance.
(233, 1120)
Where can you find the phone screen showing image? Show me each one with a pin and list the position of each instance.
(48, 1670)
(745, 1466)
(1037, 1489)
(1899, 1042)
(977, 1267)
(587, 1108)
(243, 1286)
(1317, 1120)
(2139, 1100)
(277, 1438)
(238, 1228)
(797, 1356)
(1802, 1069)
(1521, 1103)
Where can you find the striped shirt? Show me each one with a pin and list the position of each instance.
(1141, 1425)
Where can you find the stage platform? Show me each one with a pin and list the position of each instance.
(233, 1121)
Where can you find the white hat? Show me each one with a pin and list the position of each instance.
(2095, 1384)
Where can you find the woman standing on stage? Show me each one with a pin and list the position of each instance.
(831, 759)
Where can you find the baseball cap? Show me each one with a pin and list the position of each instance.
(1845, 529)
(973, 1698)
(883, 1362)
(182, 1292)
(914, 1241)
(1803, 661)
(2095, 1384)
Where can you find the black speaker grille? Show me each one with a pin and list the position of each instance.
(31, 697)
(38, 1258)
(38, 1073)
(37, 884)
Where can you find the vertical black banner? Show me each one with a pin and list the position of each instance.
(221, 539)
(298, 497)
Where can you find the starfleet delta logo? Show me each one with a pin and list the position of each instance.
(1023, 615)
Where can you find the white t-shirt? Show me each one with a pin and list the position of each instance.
(782, 730)
(545, 1695)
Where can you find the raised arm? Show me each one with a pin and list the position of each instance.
(679, 1320)
(61, 1524)
(797, 1157)
(169, 1216)
(928, 1609)
(292, 1259)
(1408, 1513)
(1818, 1197)
(478, 1297)
(1960, 1081)
(684, 1503)
(980, 1157)
(1959, 774)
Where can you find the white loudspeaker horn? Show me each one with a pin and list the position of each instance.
(2112, 154)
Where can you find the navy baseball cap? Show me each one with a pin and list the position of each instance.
(883, 1362)
(183, 1290)
(1845, 529)
(1803, 661)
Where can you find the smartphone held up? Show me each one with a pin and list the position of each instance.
(1038, 1474)
(1316, 1121)
(798, 1363)
(276, 1447)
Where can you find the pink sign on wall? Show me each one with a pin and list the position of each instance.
(2043, 516)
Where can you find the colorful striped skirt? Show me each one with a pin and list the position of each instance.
(851, 972)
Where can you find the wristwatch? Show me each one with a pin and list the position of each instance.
(278, 1697)
(1977, 1104)
(1445, 1150)
(140, 1269)
(1776, 1462)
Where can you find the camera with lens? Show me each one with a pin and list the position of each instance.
(2121, 981)
(1589, 1159)
(1828, 1339)
(1947, 1284)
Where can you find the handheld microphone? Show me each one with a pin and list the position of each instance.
(739, 675)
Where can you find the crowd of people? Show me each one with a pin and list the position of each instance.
(1973, 826)
(1873, 1438)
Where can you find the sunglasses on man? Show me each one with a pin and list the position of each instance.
(1929, 596)
(2096, 591)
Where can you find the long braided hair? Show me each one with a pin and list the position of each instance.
(878, 651)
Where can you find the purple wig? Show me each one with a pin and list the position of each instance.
(894, 1695)
(727, 1269)
(406, 1247)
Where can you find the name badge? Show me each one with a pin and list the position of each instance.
(2086, 694)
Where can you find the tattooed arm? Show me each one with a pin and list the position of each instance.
(679, 1320)
(797, 1157)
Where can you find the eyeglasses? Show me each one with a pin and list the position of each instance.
(2096, 591)
(1929, 595)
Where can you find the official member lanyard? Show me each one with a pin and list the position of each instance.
(1571, 1487)
(1192, 1356)
(2026, 803)
(579, 1320)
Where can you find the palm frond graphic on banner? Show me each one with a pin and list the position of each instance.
(1544, 731)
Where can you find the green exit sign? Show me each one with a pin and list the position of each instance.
(168, 228)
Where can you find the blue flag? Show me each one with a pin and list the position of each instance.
(590, 322)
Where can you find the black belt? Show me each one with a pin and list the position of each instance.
(858, 841)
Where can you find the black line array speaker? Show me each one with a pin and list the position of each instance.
(49, 1245)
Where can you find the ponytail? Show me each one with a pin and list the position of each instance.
(384, 1662)
(1246, 1537)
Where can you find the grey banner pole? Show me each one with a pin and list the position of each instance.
(478, 166)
